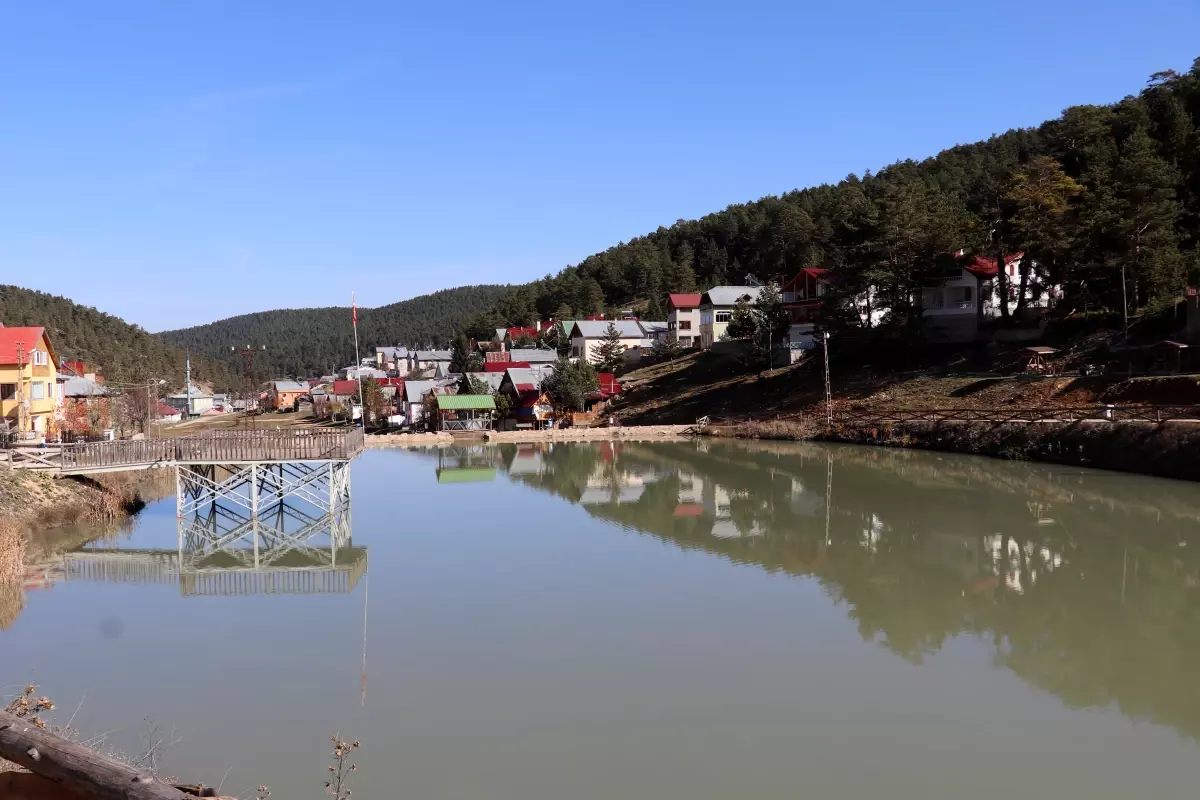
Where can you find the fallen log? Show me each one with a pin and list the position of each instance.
(77, 768)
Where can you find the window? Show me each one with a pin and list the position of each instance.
(724, 316)
(8, 391)
(37, 390)
(932, 298)
(686, 341)
(40, 358)
(685, 325)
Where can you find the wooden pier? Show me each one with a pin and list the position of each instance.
(224, 447)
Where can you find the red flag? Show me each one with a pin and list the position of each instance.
(353, 309)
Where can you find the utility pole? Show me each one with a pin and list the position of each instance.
(188, 408)
(828, 390)
(21, 387)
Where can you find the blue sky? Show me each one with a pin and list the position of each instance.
(176, 163)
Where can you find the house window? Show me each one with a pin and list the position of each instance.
(724, 316)
(40, 358)
(685, 325)
(8, 391)
(686, 341)
(37, 390)
(932, 298)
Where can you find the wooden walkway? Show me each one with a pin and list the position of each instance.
(225, 447)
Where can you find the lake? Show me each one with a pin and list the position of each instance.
(699, 619)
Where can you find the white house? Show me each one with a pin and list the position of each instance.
(716, 309)
(951, 310)
(412, 406)
(587, 336)
(683, 320)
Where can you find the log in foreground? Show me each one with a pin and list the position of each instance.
(75, 767)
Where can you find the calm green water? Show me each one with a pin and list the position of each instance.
(692, 620)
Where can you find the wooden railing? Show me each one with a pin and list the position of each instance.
(217, 448)
(1139, 413)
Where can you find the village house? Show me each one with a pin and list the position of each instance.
(166, 413)
(951, 309)
(285, 395)
(422, 360)
(716, 309)
(654, 331)
(86, 407)
(532, 407)
(390, 359)
(199, 400)
(588, 335)
(533, 355)
(683, 320)
(415, 395)
(803, 297)
(28, 381)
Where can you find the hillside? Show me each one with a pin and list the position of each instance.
(123, 352)
(315, 341)
(1101, 188)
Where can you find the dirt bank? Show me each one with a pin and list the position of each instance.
(33, 498)
(628, 433)
(1167, 450)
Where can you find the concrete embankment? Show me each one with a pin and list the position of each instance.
(1168, 450)
(628, 434)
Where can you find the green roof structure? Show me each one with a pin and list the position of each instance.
(466, 402)
(466, 475)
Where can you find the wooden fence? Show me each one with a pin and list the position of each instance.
(1139, 413)
(225, 447)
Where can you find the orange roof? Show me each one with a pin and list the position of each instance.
(685, 300)
(28, 337)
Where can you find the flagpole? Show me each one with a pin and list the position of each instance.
(362, 409)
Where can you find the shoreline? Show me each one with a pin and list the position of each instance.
(628, 434)
(1163, 450)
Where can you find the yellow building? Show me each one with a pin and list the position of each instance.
(28, 380)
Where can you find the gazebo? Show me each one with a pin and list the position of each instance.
(1036, 359)
(464, 412)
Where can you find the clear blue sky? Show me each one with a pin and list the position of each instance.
(180, 162)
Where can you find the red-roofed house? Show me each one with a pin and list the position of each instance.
(166, 413)
(504, 366)
(513, 334)
(952, 309)
(29, 390)
(683, 320)
(803, 296)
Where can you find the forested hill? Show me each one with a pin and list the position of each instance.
(121, 351)
(316, 341)
(1095, 190)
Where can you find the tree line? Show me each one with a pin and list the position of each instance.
(1104, 200)
(122, 352)
(309, 342)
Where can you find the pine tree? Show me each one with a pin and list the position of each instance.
(610, 353)
(460, 354)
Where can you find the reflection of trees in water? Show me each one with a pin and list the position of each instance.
(1082, 584)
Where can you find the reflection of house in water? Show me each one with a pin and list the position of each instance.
(609, 483)
(527, 461)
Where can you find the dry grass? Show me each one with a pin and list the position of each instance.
(792, 429)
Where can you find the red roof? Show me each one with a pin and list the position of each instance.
(517, 333)
(397, 382)
(29, 337)
(594, 318)
(164, 410)
(504, 366)
(814, 272)
(526, 387)
(345, 388)
(684, 300)
(609, 385)
(74, 367)
(689, 510)
(986, 267)
(546, 324)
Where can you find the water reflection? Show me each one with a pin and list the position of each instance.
(290, 547)
(1082, 583)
